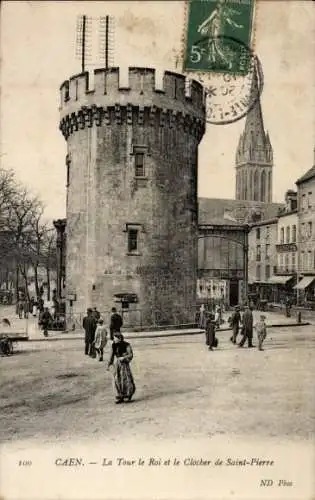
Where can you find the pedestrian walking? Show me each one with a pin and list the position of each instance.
(45, 321)
(235, 324)
(261, 331)
(120, 358)
(202, 316)
(20, 308)
(218, 317)
(288, 305)
(116, 323)
(89, 325)
(100, 340)
(211, 340)
(247, 328)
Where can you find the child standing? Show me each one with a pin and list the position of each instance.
(261, 330)
(100, 340)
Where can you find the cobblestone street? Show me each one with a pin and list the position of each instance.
(50, 390)
(190, 403)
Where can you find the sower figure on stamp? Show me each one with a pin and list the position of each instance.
(247, 329)
(213, 27)
(116, 323)
(89, 325)
(235, 323)
(261, 331)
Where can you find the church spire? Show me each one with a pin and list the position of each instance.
(254, 156)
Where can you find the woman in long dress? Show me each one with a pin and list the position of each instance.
(121, 356)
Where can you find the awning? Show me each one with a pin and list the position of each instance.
(304, 283)
(126, 297)
(279, 280)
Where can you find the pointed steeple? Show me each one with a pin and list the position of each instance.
(254, 138)
(254, 155)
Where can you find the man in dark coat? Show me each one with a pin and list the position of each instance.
(89, 325)
(235, 324)
(211, 340)
(116, 323)
(96, 314)
(247, 329)
(45, 320)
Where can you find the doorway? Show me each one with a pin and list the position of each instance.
(233, 293)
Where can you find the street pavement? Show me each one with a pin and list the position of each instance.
(189, 402)
(29, 327)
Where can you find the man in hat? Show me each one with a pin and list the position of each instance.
(116, 323)
(235, 323)
(261, 331)
(247, 329)
(89, 325)
(211, 340)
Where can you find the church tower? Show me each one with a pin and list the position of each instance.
(254, 156)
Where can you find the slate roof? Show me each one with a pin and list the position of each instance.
(214, 210)
(307, 176)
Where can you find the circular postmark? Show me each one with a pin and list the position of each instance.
(232, 78)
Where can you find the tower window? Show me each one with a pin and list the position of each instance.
(139, 165)
(68, 163)
(132, 240)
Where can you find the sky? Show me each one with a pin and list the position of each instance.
(38, 54)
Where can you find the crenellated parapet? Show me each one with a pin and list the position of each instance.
(137, 95)
(150, 116)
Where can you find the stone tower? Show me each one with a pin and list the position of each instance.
(132, 209)
(254, 156)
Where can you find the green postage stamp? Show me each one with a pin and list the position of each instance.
(219, 36)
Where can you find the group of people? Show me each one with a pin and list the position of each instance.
(245, 326)
(240, 324)
(96, 338)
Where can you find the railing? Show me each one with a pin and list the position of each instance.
(134, 318)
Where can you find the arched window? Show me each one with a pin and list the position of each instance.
(263, 186)
(269, 187)
(251, 185)
(294, 234)
(287, 238)
(245, 185)
(256, 185)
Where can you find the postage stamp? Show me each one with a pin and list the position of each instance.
(212, 25)
(229, 97)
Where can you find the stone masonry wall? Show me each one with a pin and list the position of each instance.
(105, 198)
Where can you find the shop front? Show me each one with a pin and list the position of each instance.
(305, 289)
(281, 287)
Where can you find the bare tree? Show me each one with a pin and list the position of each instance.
(22, 212)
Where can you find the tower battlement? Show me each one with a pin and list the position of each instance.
(141, 86)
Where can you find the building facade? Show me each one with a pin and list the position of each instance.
(273, 253)
(222, 262)
(306, 235)
(262, 256)
(287, 255)
(254, 157)
(132, 209)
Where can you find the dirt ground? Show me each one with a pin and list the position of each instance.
(51, 392)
